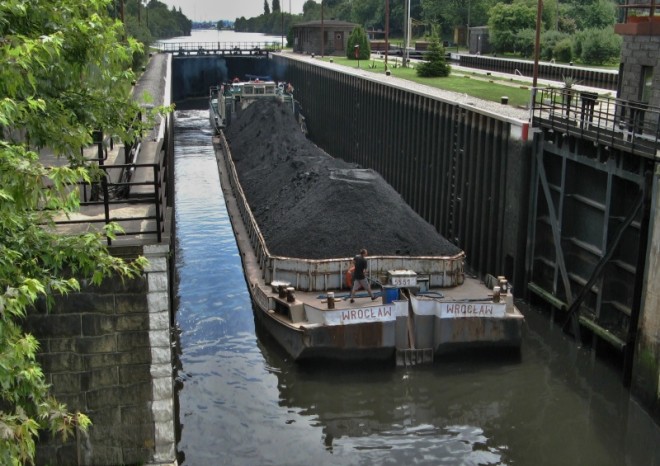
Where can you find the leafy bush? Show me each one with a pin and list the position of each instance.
(524, 42)
(436, 64)
(358, 37)
(563, 50)
(506, 21)
(600, 47)
(549, 40)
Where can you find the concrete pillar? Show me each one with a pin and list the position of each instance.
(158, 302)
(645, 382)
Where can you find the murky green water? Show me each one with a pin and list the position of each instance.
(243, 402)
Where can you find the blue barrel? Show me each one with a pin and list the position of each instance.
(390, 293)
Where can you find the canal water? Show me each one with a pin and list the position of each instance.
(241, 401)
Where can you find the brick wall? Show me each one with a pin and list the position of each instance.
(636, 52)
(107, 353)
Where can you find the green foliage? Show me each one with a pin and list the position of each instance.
(448, 14)
(153, 20)
(276, 24)
(435, 64)
(358, 37)
(64, 71)
(506, 21)
(563, 51)
(590, 14)
(600, 47)
(523, 42)
(266, 8)
(549, 39)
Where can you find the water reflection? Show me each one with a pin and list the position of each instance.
(242, 401)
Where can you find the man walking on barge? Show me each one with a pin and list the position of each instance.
(359, 278)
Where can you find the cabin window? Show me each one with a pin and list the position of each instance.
(646, 84)
(248, 90)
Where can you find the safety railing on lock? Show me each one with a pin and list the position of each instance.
(623, 124)
(222, 48)
(131, 195)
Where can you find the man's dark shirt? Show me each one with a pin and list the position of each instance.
(360, 267)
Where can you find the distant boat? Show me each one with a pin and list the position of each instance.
(227, 99)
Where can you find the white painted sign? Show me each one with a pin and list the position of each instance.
(403, 280)
(456, 310)
(381, 313)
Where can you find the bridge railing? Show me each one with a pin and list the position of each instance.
(624, 124)
(239, 48)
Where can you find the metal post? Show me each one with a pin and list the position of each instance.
(387, 30)
(322, 32)
(537, 42)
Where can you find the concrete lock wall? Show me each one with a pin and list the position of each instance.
(107, 353)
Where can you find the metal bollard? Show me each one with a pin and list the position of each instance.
(290, 297)
(331, 300)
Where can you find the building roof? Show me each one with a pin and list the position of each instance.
(329, 23)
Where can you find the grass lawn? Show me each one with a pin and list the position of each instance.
(480, 86)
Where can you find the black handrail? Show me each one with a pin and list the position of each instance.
(624, 124)
(239, 48)
(118, 193)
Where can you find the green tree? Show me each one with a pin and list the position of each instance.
(449, 14)
(600, 46)
(266, 8)
(311, 10)
(506, 20)
(590, 14)
(276, 6)
(64, 71)
(435, 64)
(358, 37)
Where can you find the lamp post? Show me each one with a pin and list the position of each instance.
(387, 31)
(537, 46)
(406, 34)
(322, 32)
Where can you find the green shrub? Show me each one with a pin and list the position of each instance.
(524, 42)
(435, 65)
(563, 50)
(549, 40)
(600, 47)
(358, 37)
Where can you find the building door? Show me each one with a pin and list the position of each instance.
(339, 41)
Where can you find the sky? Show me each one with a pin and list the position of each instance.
(215, 10)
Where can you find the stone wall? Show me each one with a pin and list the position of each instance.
(638, 51)
(107, 353)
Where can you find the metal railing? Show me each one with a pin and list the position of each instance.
(132, 195)
(623, 124)
(224, 48)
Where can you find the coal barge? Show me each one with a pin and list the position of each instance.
(298, 240)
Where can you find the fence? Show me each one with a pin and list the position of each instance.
(222, 48)
(627, 125)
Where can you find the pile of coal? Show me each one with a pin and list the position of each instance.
(311, 205)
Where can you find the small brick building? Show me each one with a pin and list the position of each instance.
(307, 37)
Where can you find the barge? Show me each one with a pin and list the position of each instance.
(426, 304)
(228, 99)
